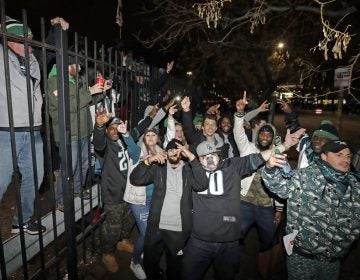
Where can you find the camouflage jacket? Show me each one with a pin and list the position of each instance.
(327, 223)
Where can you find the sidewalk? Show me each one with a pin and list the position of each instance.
(95, 270)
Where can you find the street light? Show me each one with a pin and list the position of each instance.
(189, 73)
(280, 45)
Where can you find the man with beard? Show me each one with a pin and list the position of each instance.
(323, 213)
(259, 207)
(169, 222)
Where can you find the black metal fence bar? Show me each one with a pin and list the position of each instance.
(130, 80)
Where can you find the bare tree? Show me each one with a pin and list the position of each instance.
(236, 47)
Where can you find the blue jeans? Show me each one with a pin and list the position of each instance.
(263, 219)
(84, 160)
(140, 213)
(199, 254)
(25, 165)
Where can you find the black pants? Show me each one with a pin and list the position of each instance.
(199, 255)
(156, 243)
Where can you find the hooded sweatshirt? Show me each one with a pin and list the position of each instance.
(245, 148)
(19, 94)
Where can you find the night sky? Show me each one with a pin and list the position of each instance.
(92, 18)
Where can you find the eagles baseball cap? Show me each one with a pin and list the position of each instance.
(334, 146)
(151, 130)
(205, 148)
(114, 120)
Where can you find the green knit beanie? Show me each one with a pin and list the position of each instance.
(327, 130)
(198, 119)
(17, 28)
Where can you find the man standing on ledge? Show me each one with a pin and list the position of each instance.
(22, 122)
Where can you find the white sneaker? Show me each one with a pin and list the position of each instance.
(138, 270)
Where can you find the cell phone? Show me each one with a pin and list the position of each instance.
(99, 107)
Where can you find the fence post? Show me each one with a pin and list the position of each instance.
(65, 149)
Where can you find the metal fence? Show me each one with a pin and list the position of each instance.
(67, 230)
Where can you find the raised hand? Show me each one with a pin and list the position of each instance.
(214, 110)
(285, 106)
(185, 152)
(172, 111)
(59, 20)
(241, 103)
(293, 138)
(101, 118)
(264, 106)
(159, 158)
(169, 66)
(122, 128)
(185, 104)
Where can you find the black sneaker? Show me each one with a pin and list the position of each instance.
(86, 195)
(29, 227)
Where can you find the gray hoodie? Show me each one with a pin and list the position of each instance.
(19, 94)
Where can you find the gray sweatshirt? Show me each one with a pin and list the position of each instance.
(19, 94)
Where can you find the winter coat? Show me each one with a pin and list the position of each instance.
(328, 223)
(81, 109)
(194, 177)
(19, 94)
(245, 148)
(115, 157)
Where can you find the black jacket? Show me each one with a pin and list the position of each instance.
(194, 177)
(232, 142)
(114, 161)
(216, 210)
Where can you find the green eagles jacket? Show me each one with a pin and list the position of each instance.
(328, 222)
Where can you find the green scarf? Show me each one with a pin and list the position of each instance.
(341, 180)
